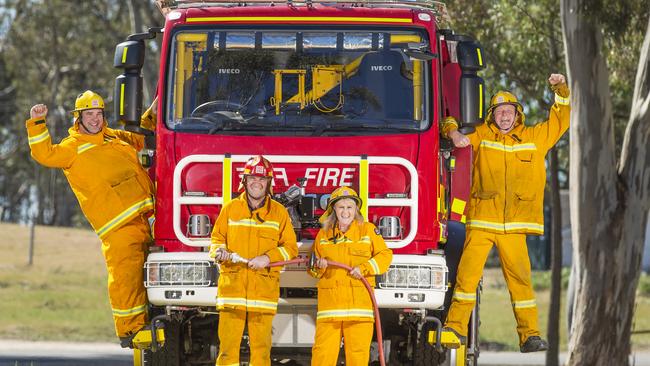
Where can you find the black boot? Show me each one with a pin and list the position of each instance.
(127, 342)
(534, 344)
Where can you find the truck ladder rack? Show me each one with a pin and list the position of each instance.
(439, 8)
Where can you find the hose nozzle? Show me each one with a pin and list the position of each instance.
(236, 258)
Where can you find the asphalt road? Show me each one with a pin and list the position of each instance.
(20, 353)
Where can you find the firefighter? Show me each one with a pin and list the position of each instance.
(344, 305)
(257, 227)
(506, 204)
(114, 192)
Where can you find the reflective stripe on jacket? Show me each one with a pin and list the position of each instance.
(102, 169)
(341, 296)
(266, 230)
(509, 171)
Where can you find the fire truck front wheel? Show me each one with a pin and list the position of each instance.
(169, 354)
(425, 354)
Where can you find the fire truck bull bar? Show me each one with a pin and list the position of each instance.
(364, 162)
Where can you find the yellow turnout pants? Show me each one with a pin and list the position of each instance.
(231, 328)
(357, 336)
(515, 265)
(124, 251)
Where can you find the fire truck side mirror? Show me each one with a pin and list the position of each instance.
(128, 102)
(472, 106)
(472, 86)
(470, 56)
(129, 56)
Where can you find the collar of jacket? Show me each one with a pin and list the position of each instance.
(353, 233)
(264, 210)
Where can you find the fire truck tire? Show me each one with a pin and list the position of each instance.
(170, 353)
(398, 351)
(425, 354)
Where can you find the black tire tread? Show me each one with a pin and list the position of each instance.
(170, 353)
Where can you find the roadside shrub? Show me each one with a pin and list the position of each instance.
(542, 279)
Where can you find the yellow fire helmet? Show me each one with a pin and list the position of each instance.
(87, 100)
(505, 97)
(339, 194)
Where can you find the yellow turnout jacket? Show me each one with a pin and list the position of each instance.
(266, 230)
(102, 169)
(341, 296)
(509, 173)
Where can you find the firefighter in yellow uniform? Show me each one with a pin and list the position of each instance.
(344, 305)
(506, 204)
(257, 227)
(114, 192)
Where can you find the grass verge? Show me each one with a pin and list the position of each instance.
(62, 296)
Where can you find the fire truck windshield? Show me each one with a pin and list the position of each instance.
(297, 82)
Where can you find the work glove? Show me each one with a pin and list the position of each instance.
(222, 255)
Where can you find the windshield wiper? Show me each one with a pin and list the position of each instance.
(347, 126)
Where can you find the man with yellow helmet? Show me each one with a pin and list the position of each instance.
(506, 202)
(255, 227)
(114, 192)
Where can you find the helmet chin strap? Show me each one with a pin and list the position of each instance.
(81, 122)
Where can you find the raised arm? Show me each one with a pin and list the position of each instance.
(550, 131)
(40, 143)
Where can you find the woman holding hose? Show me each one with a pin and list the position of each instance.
(344, 305)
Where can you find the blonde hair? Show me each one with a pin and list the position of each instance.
(330, 221)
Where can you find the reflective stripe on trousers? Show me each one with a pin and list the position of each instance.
(124, 250)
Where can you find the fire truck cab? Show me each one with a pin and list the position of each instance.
(333, 93)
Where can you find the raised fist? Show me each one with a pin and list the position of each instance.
(38, 111)
(555, 79)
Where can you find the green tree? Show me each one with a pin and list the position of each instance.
(54, 50)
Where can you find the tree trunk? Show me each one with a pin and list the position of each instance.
(553, 324)
(608, 206)
(553, 333)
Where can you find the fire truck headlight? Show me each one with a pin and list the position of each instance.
(394, 276)
(414, 276)
(200, 273)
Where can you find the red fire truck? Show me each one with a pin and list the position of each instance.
(334, 93)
